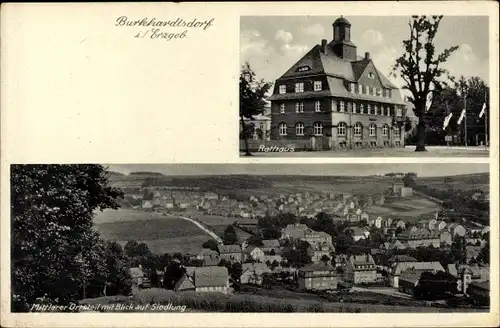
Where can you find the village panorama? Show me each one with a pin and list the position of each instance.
(395, 241)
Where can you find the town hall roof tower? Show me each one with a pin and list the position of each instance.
(341, 44)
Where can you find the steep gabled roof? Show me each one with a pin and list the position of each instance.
(311, 59)
(316, 267)
(359, 67)
(213, 276)
(268, 243)
(225, 249)
(338, 89)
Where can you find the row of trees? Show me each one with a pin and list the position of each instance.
(451, 100)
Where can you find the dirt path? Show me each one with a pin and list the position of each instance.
(202, 227)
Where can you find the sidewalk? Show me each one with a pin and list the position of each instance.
(408, 151)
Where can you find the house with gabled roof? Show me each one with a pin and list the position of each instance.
(317, 276)
(252, 273)
(231, 253)
(331, 91)
(398, 269)
(270, 244)
(361, 269)
(210, 279)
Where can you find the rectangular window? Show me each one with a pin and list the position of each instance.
(360, 89)
(361, 109)
(282, 108)
(317, 106)
(318, 86)
(369, 109)
(354, 108)
(342, 107)
(353, 87)
(399, 112)
(375, 111)
(282, 89)
(299, 87)
(334, 105)
(299, 107)
(388, 93)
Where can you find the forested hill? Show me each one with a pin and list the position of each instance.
(224, 182)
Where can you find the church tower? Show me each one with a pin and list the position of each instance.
(341, 44)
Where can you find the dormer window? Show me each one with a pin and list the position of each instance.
(318, 86)
(353, 87)
(371, 75)
(303, 69)
(360, 89)
(282, 89)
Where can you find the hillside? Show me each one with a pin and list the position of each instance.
(479, 181)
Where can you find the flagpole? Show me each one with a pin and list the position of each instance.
(465, 117)
(485, 122)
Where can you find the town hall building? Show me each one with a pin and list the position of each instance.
(337, 98)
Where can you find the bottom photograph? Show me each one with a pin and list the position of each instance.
(351, 238)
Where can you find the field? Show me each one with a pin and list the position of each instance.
(463, 182)
(273, 303)
(407, 209)
(161, 233)
(215, 220)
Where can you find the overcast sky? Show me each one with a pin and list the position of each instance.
(426, 169)
(273, 44)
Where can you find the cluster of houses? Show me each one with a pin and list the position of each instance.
(343, 206)
(326, 269)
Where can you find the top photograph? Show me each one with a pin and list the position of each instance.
(364, 86)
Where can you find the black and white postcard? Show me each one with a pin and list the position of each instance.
(360, 238)
(371, 86)
(352, 181)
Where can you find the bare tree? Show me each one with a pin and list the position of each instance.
(421, 69)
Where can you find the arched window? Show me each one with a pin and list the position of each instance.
(385, 130)
(358, 128)
(282, 129)
(299, 129)
(373, 130)
(318, 129)
(341, 129)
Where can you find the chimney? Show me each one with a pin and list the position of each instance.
(323, 45)
(367, 55)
